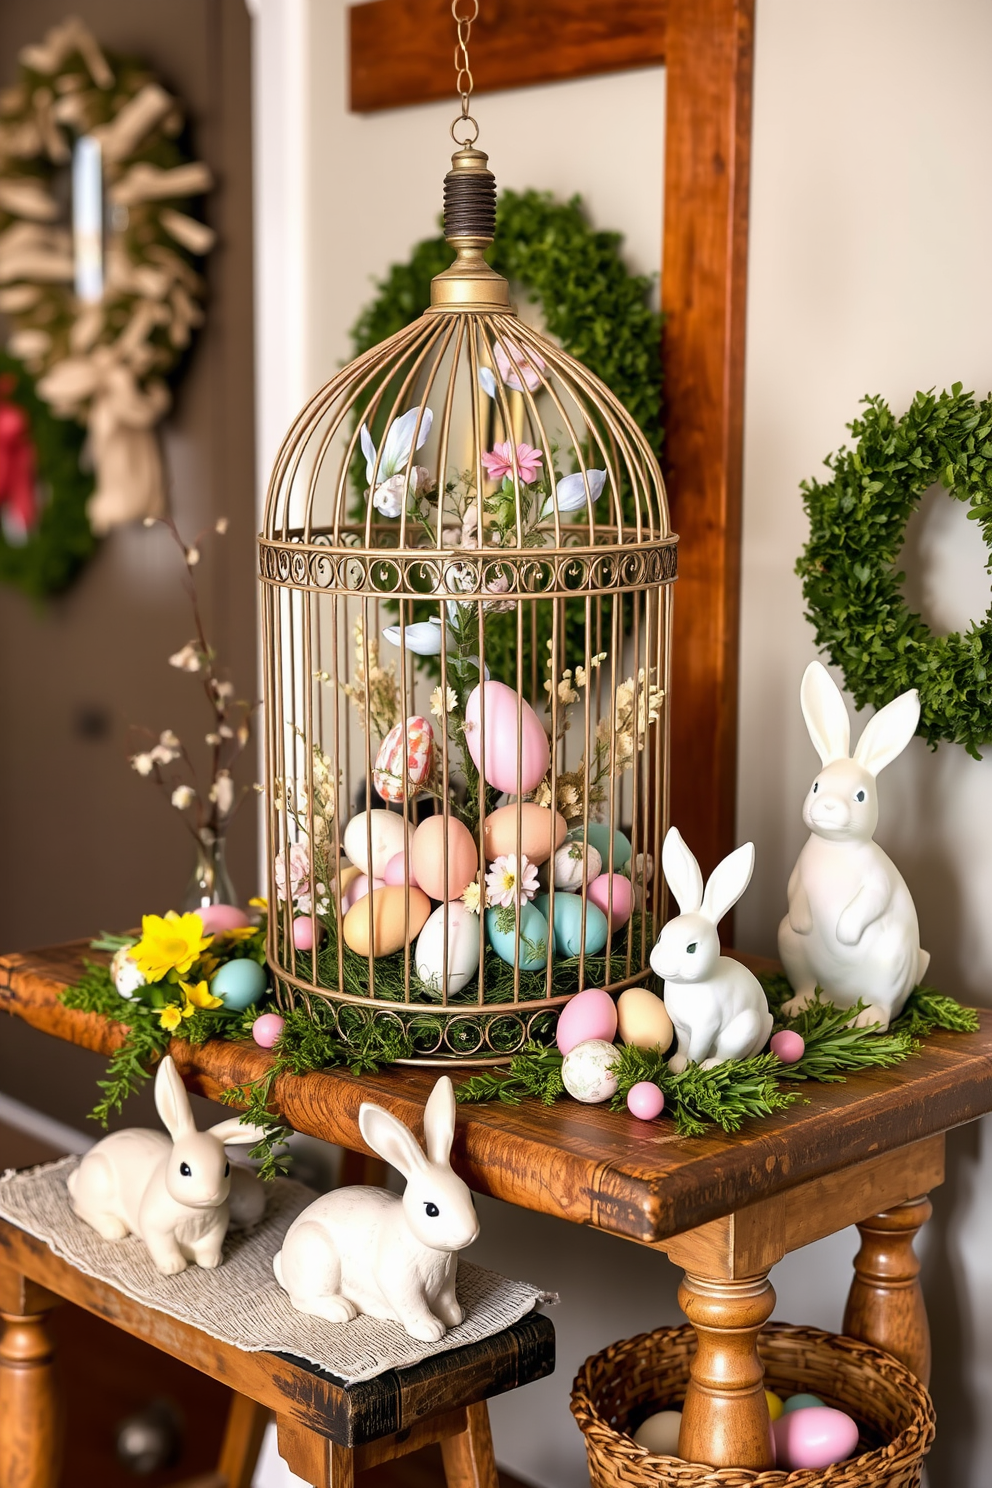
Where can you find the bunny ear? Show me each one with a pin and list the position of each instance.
(727, 882)
(236, 1133)
(171, 1100)
(391, 1139)
(887, 734)
(682, 872)
(825, 713)
(439, 1120)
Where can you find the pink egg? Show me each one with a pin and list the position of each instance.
(645, 1100)
(788, 1045)
(397, 873)
(816, 1436)
(303, 932)
(220, 917)
(266, 1029)
(501, 707)
(427, 857)
(591, 1014)
(357, 889)
(622, 894)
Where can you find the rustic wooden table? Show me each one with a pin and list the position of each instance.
(724, 1208)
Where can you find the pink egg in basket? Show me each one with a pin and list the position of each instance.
(220, 917)
(398, 872)
(613, 886)
(266, 1029)
(814, 1437)
(645, 1100)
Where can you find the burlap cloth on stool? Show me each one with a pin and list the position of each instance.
(240, 1302)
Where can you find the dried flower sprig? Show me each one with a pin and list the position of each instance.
(374, 691)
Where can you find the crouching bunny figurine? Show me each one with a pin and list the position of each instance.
(851, 928)
(172, 1193)
(717, 1006)
(367, 1250)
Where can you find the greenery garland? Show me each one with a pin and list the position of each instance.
(849, 567)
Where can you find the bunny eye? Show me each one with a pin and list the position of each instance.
(186, 1170)
(432, 1211)
(692, 948)
(860, 795)
(816, 786)
(227, 1170)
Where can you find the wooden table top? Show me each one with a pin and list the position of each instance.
(580, 1163)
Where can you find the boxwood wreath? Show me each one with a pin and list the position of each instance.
(849, 567)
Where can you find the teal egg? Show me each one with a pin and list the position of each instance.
(800, 1402)
(598, 837)
(568, 924)
(533, 930)
(239, 983)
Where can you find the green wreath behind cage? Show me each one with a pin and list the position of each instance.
(850, 566)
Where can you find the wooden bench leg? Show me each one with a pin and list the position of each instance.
(725, 1420)
(469, 1460)
(885, 1304)
(246, 1423)
(30, 1410)
(315, 1459)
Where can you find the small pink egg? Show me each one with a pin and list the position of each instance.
(815, 1437)
(220, 917)
(266, 1029)
(357, 889)
(645, 1100)
(397, 874)
(788, 1045)
(303, 933)
(591, 1014)
(622, 894)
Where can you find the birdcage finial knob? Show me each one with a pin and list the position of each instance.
(470, 226)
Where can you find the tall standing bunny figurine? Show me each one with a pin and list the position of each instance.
(717, 1006)
(851, 928)
(171, 1190)
(368, 1250)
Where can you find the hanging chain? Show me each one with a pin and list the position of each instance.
(464, 12)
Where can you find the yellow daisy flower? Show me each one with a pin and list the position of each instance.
(169, 943)
(258, 903)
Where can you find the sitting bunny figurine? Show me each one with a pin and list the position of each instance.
(851, 928)
(717, 1006)
(368, 1250)
(174, 1194)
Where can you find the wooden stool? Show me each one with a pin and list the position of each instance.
(327, 1431)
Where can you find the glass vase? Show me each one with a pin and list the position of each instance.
(211, 882)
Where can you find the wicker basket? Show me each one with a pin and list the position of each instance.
(617, 1389)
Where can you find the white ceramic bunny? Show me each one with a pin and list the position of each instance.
(368, 1250)
(173, 1193)
(717, 1006)
(851, 928)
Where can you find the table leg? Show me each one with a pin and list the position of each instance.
(312, 1457)
(30, 1411)
(725, 1420)
(885, 1304)
(469, 1460)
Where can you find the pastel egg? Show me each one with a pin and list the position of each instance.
(303, 932)
(598, 835)
(397, 871)
(220, 917)
(388, 831)
(266, 1029)
(348, 874)
(541, 832)
(587, 1072)
(788, 1045)
(387, 775)
(532, 939)
(239, 983)
(659, 1434)
(568, 924)
(357, 889)
(591, 1014)
(800, 1402)
(385, 912)
(125, 974)
(815, 1436)
(464, 950)
(643, 1019)
(427, 853)
(505, 712)
(574, 863)
(645, 1100)
(774, 1403)
(613, 886)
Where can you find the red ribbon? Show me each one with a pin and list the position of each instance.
(18, 472)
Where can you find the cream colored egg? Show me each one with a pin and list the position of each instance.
(390, 928)
(643, 1019)
(386, 829)
(659, 1434)
(541, 832)
(574, 861)
(464, 949)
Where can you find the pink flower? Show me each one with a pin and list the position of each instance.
(500, 462)
(525, 364)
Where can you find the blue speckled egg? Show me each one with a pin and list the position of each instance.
(568, 924)
(533, 938)
(598, 836)
(239, 983)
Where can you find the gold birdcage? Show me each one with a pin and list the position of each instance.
(466, 568)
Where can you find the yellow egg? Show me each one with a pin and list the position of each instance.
(388, 917)
(536, 826)
(643, 1019)
(775, 1406)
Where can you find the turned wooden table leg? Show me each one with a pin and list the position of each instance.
(469, 1459)
(725, 1418)
(885, 1304)
(30, 1411)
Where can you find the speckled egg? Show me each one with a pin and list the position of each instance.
(427, 857)
(397, 871)
(239, 983)
(303, 932)
(501, 726)
(788, 1045)
(643, 1019)
(659, 1434)
(533, 938)
(645, 1100)
(613, 887)
(598, 836)
(387, 775)
(575, 861)
(388, 920)
(464, 949)
(220, 917)
(800, 1402)
(541, 832)
(568, 924)
(125, 975)
(587, 1072)
(266, 1029)
(815, 1436)
(387, 832)
(591, 1014)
